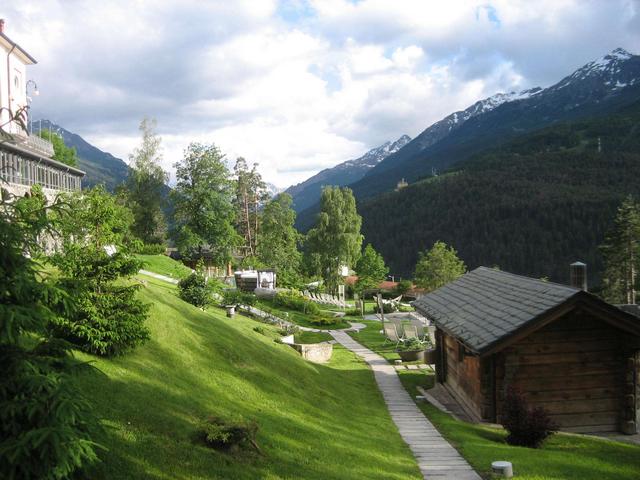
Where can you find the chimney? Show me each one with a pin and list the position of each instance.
(1, 25)
(578, 275)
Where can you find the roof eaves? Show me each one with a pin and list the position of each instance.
(19, 48)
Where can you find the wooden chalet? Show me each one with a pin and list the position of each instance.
(565, 349)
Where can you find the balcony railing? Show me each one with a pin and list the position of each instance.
(40, 145)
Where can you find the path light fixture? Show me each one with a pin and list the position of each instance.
(501, 468)
(35, 93)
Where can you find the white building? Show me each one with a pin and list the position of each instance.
(25, 159)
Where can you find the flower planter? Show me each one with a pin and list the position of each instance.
(231, 310)
(430, 356)
(411, 356)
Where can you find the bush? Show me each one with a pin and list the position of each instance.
(295, 301)
(153, 249)
(526, 427)
(237, 297)
(288, 330)
(353, 312)
(411, 345)
(224, 435)
(403, 287)
(389, 307)
(195, 290)
(325, 321)
(259, 330)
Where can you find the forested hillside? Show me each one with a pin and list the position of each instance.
(531, 207)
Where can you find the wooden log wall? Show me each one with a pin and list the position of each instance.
(577, 368)
(463, 377)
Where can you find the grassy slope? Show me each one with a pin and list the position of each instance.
(164, 266)
(564, 456)
(316, 421)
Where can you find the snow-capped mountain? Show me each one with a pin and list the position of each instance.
(603, 85)
(308, 192)
(608, 72)
(273, 190)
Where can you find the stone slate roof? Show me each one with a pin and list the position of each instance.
(485, 305)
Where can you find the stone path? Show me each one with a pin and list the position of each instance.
(159, 277)
(436, 458)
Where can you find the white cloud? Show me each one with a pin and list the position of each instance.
(296, 86)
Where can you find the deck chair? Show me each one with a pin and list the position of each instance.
(391, 333)
(420, 329)
(411, 331)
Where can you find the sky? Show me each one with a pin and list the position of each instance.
(297, 85)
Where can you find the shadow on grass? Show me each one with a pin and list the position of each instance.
(315, 421)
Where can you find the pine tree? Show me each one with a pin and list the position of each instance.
(96, 269)
(336, 240)
(250, 196)
(45, 421)
(145, 184)
(438, 266)
(621, 252)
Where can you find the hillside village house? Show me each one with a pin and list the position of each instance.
(25, 159)
(565, 349)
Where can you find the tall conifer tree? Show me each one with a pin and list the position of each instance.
(621, 252)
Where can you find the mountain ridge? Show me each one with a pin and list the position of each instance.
(596, 86)
(306, 193)
(99, 166)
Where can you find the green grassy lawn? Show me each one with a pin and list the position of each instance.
(299, 318)
(164, 266)
(316, 421)
(312, 337)
(371, 338)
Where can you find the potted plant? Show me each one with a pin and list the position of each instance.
(410, 350)
(429, 353)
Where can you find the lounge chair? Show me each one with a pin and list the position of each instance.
(391, 333)
(411, 331)
(420, 329)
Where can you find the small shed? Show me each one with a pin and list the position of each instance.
(567, 350)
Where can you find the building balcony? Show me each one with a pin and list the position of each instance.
(35, 143)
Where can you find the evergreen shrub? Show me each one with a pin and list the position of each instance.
(96, 270)
(226, 435)
(195, 290)
(46, 424)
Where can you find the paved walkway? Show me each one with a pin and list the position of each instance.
(159, 277)
(436, 458)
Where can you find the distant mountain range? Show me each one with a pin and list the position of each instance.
(598, 87)
(100, 167)
(307, 193)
